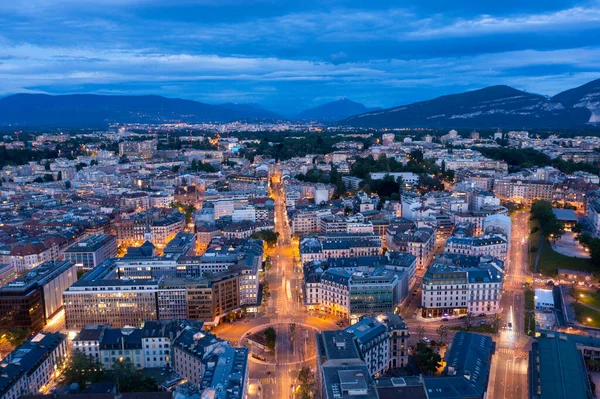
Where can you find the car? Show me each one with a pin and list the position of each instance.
(510, 326)
(445, 319)
(426, 340)
(462, 317)
(482, 314)
(482, 323)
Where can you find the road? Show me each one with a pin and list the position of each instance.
(508, 377)
(284, 307)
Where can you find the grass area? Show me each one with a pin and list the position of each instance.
(591, 298)
(529, 324)
(550, 261)
(587, 316)
(534, 239)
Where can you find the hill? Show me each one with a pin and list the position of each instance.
(490, 107)
(98, 110)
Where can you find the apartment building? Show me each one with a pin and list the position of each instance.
(494, 245)
(457, 284)
(32, 365)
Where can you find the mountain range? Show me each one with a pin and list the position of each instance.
(490, 107)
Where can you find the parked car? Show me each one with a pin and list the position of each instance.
(426, 340)
(445, 319)
(482, 314)
(462, 317)
(510, 326)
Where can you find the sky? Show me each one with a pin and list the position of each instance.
(292, 55)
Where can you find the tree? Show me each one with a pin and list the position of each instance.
(82, 368)
(579, 227)
(442, 331)
(428, 360)
(496, 321)
(306, 378)
(82, 165)
(48, 177)
(420, 332)
(38, 180)
(268, 236)
(59, 176)
(468, 320)
(270, 338)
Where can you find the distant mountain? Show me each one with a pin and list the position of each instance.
(586, 96)
(334, 111)
(491, 107)
(98, 110)
(256, 110)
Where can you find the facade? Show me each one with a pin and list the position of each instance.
(33, 299)
(525, 191)
(144, 149)
(32, 365)
(340, 246)
(493, 245)
(457, 284)
(91, 251)
(161, 223)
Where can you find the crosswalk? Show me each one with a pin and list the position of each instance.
(268, 381)
(513, 352)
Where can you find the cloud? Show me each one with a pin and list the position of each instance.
(577, 18)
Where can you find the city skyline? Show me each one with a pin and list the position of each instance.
(288, 57)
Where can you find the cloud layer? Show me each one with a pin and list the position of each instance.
(288, 56)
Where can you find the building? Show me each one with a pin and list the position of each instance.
(467, 372)
(493, 245)
(182, 244)
(525, 191)
(340, 246)
(544, 299)
(139, 201)
(211, 364)
(34, 298)
(159, 224)
(138, 149)
(458, 284)
(7, 273)
(340, 372)
(415, 241)
(382, 341)
(566, 217)
(557, 369)
(91, 251)
(32, 365)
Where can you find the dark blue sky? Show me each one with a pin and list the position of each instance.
(289, 55)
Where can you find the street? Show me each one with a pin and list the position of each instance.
(508, 376)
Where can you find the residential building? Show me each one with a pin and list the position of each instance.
(91, 251)
(493, 245)
(457, 284)
(32, 365)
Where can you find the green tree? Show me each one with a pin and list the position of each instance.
(82, 368)
(497, 321)
(306, 388)
(428, 360)
(268, 236)
(270, 338)
(442, 331)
